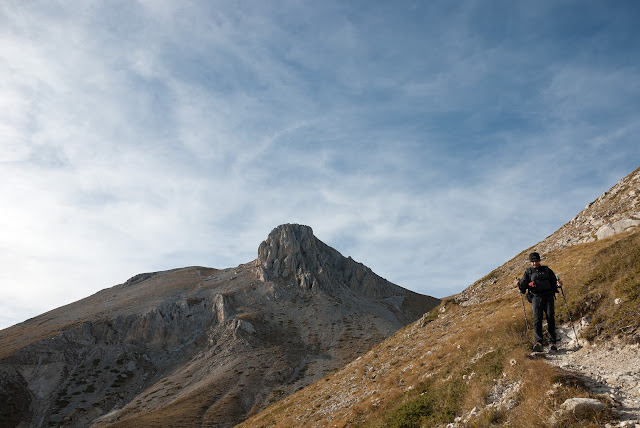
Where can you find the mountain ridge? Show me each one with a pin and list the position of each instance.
(200, 346)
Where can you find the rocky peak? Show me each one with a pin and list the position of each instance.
(292, 253)
(288, 249)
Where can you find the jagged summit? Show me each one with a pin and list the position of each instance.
(292, 253)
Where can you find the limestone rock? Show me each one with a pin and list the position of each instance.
(580, 406)
(291, 253)
(618, 227)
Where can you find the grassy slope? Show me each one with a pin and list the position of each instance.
(451, 360)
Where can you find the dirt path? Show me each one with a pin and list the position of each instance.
(611, 368)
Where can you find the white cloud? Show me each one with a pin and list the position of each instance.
(155, 135)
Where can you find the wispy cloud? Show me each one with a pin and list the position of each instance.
(414, 137)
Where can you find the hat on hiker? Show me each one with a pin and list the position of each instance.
(534, 257)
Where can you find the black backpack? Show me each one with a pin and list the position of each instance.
(541, 278)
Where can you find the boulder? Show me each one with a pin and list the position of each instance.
(617, 227)
(581, 406)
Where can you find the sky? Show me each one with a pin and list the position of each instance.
(430, 140)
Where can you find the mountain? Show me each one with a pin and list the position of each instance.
(468, 362)
(200, 346)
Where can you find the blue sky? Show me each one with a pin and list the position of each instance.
(430, 140)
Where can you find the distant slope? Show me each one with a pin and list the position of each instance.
(121, 300)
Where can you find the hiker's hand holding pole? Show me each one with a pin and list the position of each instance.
(516, 282)
(559, 283)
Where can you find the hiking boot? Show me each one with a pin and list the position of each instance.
(553, 347)
(537, 347)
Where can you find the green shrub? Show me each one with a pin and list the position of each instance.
(430, 405)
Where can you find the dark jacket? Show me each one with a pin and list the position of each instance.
(539, 281)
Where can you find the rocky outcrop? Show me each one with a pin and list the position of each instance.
(102, 364)
(624, 225)
(292, 253)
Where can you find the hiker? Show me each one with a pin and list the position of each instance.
(542, 285)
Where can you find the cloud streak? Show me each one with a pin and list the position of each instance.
(417, 138)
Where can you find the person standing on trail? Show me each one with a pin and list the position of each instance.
(542, 284)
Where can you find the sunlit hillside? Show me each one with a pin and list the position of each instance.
(469, 359)
(468, 363)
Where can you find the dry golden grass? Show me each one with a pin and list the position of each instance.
(189, 410)
(446, 364)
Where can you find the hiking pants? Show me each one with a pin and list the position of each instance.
(544, 304)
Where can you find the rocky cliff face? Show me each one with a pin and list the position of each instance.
(292, 253)
(199, 346)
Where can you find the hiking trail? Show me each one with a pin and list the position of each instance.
(608, 368)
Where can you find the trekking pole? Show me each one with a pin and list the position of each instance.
(524, 309)
(568, 313)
